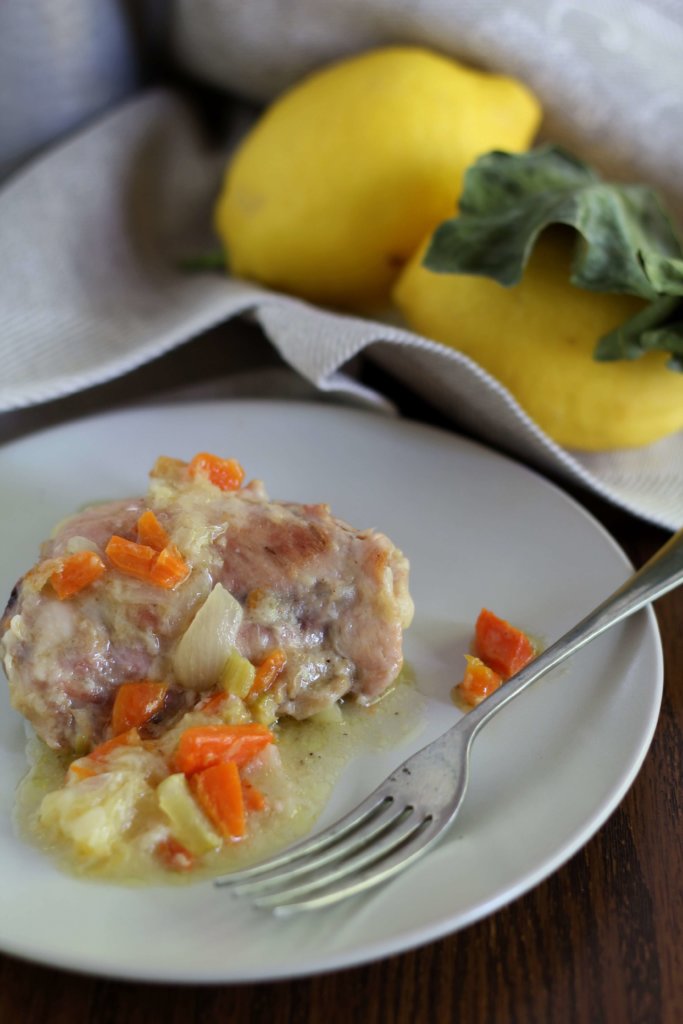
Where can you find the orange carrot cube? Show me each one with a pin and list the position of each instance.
(75, 572)
(227, 474)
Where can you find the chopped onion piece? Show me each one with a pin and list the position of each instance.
(206, 644)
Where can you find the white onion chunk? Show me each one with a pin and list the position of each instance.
(206, 644)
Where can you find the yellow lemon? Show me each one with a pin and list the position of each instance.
(537, 339)
(342, 177)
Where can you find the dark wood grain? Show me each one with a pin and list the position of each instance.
(599, 941)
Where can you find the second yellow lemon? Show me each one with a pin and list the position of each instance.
(337, 184)
(537, 339)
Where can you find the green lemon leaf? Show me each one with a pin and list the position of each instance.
(656, 327)
(667, 339)
(625, 240)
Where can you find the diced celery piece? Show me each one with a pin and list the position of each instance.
(264, 709)
(189, 824)
(238, 675)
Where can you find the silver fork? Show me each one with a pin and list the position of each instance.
(411, 809)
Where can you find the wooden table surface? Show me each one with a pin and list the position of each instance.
(599, 941)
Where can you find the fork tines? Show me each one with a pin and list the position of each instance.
(366, 847)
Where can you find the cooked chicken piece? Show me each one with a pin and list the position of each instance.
(335, 599)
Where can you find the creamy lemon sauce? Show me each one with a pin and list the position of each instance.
(297, 782)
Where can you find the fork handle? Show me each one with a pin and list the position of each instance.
(662, 573)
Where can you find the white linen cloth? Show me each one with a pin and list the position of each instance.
(92, 231)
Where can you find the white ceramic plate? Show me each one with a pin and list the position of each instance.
(479, 530)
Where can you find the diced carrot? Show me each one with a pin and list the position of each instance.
(201, 746)
(151, 532)
(173, 855)
(501, 646)
(135, 703)
(219, 791)
(124, 739)
(477, 683)
(164, 568)
(227, 474)
(267, 672)
(76, 572)
(133, 559)
(169, 568)
(254, 800)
